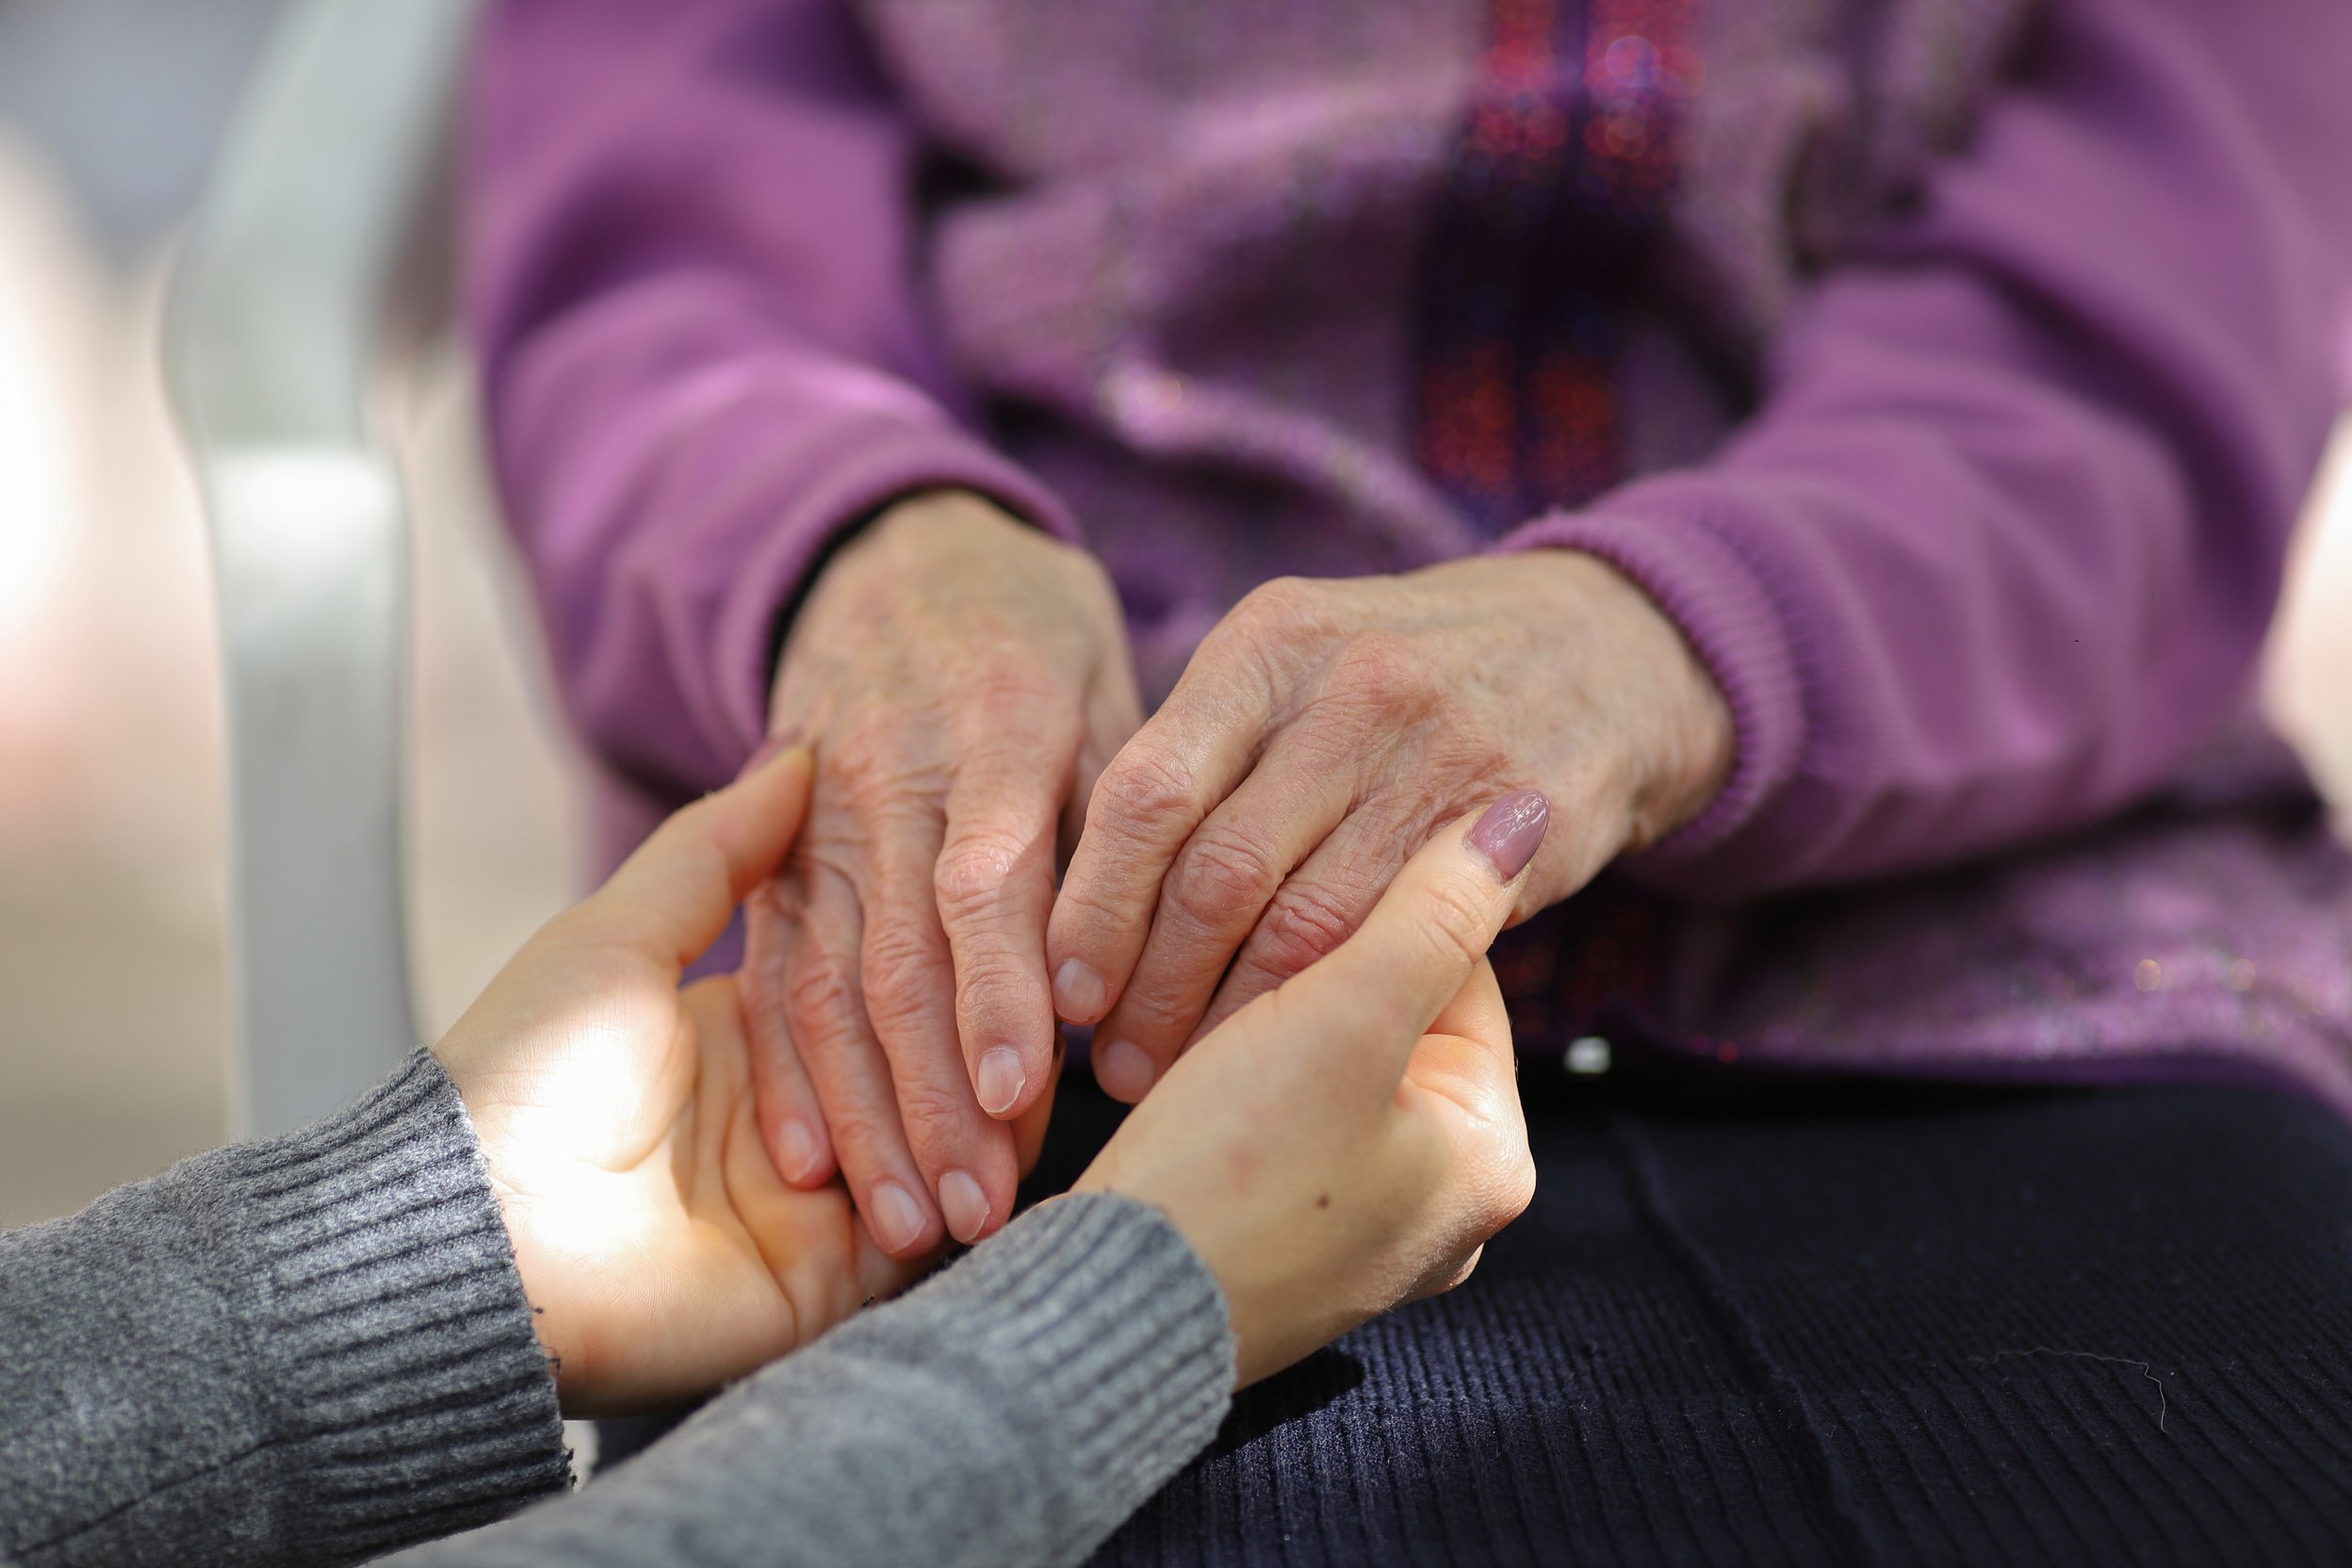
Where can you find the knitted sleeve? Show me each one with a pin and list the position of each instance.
(689, 271)
(310, 1349)
(2001, 544)
(1008, 1414)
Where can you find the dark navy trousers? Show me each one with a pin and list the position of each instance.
(1754, 1320)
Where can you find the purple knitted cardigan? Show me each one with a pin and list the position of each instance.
(1949, 371)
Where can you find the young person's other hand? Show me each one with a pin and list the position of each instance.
(1349, 1140)
(962, 677)
(660, 1249)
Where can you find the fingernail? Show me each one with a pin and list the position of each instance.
(1512, 831)
(897, 1218)
(1124, 1070)
(796, 1152)
(1078, 992)
(1000, 1079)
(964, 1204)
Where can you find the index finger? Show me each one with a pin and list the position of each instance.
(1174, 770)
(1366, 1005)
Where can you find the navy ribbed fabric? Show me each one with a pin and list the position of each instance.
(1756, 1321)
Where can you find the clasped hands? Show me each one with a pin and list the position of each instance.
(699, 1180)
(963, 679)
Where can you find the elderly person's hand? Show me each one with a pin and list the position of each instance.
(662, 1253)
(962, 677)
(1349, 1140)
(1320, 733)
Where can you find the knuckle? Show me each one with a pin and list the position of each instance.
(863, 755)
(1518, 1189)
(1453, 925)
(1472, 758)
(1156, 1013)
(1386, 670)
(1271, 617)
(986, 979)
(1223, 872)
(1006, 689)
(897, 969)
(865, 1139)
(1143, 786)
(821, 997)
(1332, 739)
(894, 935)
(934, 1118)
(1305, 923)
(1088, 917)
(864, 738)
(1505, 1189)
(972, 873)
(1281, 601)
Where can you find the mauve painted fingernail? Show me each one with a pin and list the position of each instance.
(796, 1152)
(897, 1218)
(964, 1204)
(1078, 992)
(1512, 831)
(1124, 1069)
(1000, 1080)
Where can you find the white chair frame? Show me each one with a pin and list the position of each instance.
(297, 276)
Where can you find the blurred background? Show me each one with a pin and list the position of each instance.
(113, 1008)
(113, 1020)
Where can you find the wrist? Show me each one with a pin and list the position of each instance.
(914, 528)
(1688, 741)
(509, 1193)
(1659, 703)
(387, 1293)
(871, 566)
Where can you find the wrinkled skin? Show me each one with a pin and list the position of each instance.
(661, 1252)
(962, 677)
(1321, 734)
(964, 680)
(1343, 1145)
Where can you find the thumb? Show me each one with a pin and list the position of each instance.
(672, 898)
(1366, 1005)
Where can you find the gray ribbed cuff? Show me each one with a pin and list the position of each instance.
(1010, 1414)
(1122, 1328)
(401, 1382)
(1102, 1337)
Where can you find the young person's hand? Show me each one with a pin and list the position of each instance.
(962, 677)
(1321, 732)
(1348, 1141)
(657, 1244)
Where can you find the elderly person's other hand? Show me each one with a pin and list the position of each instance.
(662, 1253)
(1320, 733)
(1348, 1141)
(962, 678)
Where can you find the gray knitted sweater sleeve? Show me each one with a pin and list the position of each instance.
(316, 1348)
(1010, 1413)
(299, 1351)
